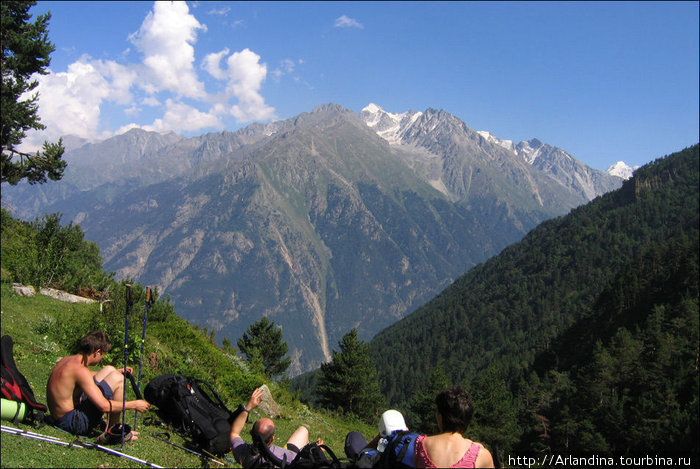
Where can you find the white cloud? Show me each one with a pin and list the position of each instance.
(122, 79)
(246, 75)
(180, 117)
(69, 102)
(132, 110)
(347, 22)
(219, 12)
(212, 64)
(124, 129)
(286, 67)
(150, 101)
(219, 109)
(165, 38)
(73, 102)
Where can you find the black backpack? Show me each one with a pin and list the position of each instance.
(185, 403)
(15, 386)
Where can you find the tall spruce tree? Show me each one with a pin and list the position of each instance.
(350, 381)
(262, 341)
(25, 52)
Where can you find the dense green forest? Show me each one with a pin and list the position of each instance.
(583, 337)
(591, 322)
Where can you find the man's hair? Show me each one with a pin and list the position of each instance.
(455, 406)
(93, 341)
(265, 433)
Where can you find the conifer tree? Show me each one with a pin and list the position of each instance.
(25, 52)
(495, 419)
(422, 406)
(350, 381)
(262, 343)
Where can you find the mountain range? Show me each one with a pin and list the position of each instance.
(323, 222)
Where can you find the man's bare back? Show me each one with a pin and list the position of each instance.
(63, 389)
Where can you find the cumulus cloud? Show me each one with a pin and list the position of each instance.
(212, 64)
(164, 80)
(69, 102)
(150, 101)
(246, 75)
(183, 117)
(165, 38)
(347, 22)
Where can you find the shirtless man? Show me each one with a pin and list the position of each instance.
(78, 397)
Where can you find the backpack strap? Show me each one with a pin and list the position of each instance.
(400, 450)
(206, 394)
(137, 392)
(267, 454)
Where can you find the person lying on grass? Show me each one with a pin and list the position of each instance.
(246, 454)
(78, 397)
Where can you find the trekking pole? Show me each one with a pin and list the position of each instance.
(38, 436)
(129, 303)
(117, 453)
(164, 437)
(143, 341)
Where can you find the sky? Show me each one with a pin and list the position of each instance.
(605, 81)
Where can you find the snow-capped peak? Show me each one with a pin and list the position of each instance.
(372, 108)
(621, 169)
(529, 150)
(489, 137)
(389, 126)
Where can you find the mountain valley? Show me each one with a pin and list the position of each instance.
(323, 222)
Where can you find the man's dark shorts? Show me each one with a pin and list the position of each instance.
(86, 415)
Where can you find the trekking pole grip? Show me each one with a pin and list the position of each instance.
(129, 298)
(149, 300)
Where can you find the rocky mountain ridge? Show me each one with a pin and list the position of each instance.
(316, 222)
(406, 129)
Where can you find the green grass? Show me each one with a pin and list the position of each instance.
(32, 323)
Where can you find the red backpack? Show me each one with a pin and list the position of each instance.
(16, 388)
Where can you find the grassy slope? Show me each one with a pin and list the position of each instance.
(35, 356)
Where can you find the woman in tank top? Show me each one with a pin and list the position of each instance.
(449, 448)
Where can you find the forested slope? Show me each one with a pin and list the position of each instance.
(591, 321)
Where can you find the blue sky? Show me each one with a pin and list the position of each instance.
(604, 81)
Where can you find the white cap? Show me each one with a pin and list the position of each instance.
(391, 421)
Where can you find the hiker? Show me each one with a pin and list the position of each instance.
(78, 397)
(246, 454)
(390, 421)
(449, 448)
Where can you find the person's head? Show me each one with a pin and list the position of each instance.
(94, 341)
(454, 406)
(265, 429)
(390, 421)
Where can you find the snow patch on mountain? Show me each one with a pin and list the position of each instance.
(530, 150)
(621, 169)
(507, 144)
(389, 126)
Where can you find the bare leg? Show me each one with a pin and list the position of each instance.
(115, 380)
(299, 438)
